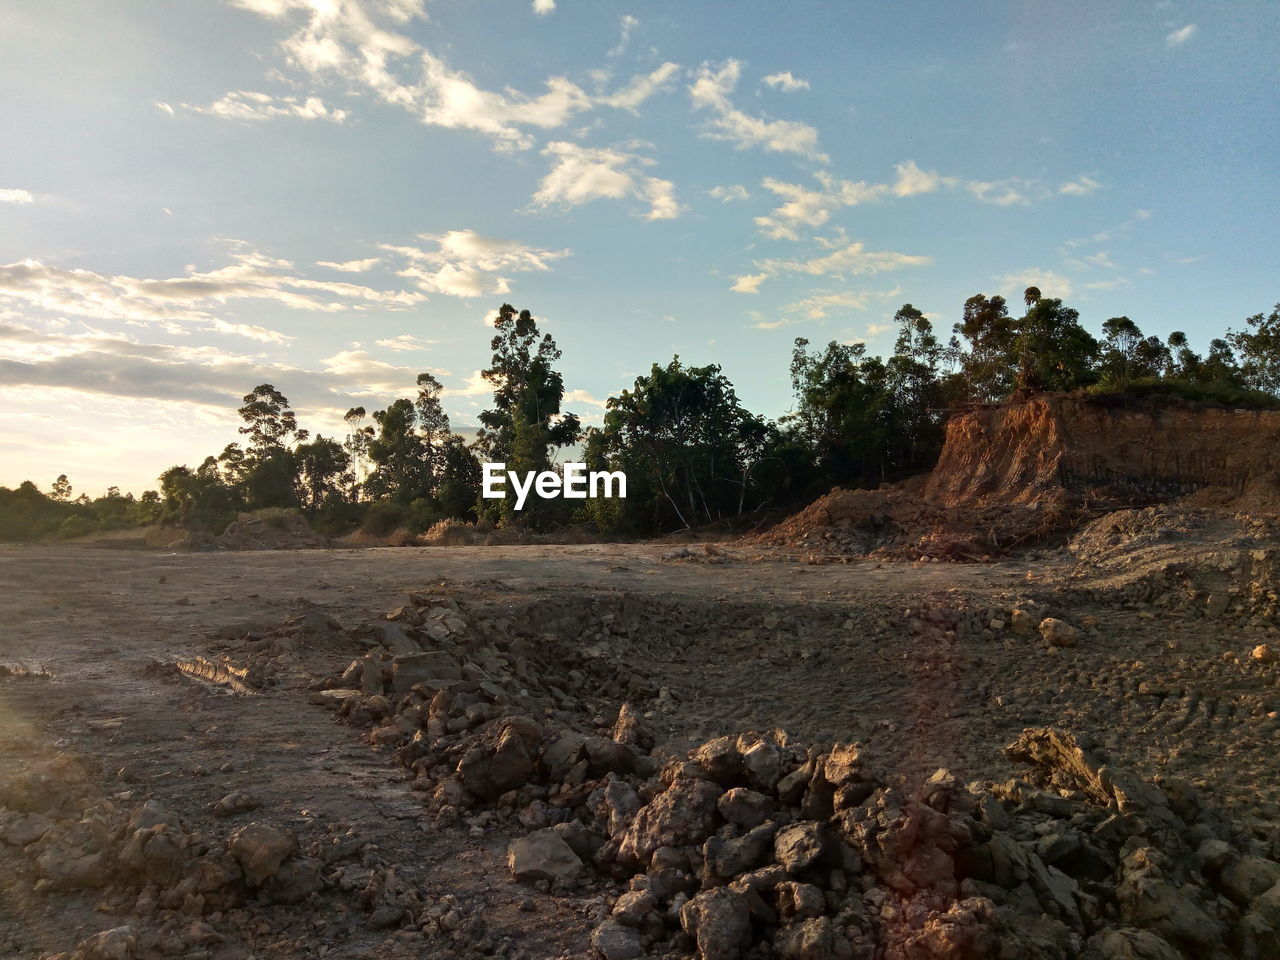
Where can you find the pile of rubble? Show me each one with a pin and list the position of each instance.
(756, 846)
(893, 524)
(262, 530)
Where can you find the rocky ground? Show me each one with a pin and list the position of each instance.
(573, 751)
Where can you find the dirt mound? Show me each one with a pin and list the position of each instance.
(260, 530)
(892, 524)
(1019, 473)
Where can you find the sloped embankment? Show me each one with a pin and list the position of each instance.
(1018, 472)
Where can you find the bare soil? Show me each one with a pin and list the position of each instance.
(917, 661)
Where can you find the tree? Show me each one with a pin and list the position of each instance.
(359, 434)
(525, 422)
(322, 467)
(988, 367)
(433, 422)
(269, 422)
(401, 471)
(686, 444)
(1259, 351)
(1122, 338)
(915, 389)
(61, 489)
(1057, 352)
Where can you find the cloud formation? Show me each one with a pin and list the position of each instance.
(11, 195)
(710, 92)
(1180, 36)
(730, 193)
(462, 263)
(181, 304)
(785, 82)
(544, 7)
(581, 174)
(251, 106)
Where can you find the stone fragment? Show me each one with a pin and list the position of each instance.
(435, 668)
(719, 922)
(800, 846)
(1058, 633)
(543, 855)
(616, 941)
(745, 807)
(682, 815)
(261, 851)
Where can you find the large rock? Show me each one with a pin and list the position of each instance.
(813, 939)
(719, 922)
(682, 815)
(490, 771)
(614, 941)
(543, 855)
(261, 851)
(725, 859)
(434, 668)
(744, 807)
(801, 846)
(1058, 633)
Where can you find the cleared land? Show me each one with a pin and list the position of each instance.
(194, 682)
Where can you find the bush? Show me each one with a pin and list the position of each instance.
(384, 516)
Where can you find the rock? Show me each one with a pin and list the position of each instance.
(1247, 877)
(120, 943)
(633, 907)
(682, 815)
(1022, 623)
(1058, 633)
(1149, 899)
(628, 728)
(965, 931)
(1126, 943)
(719, 923)
(1263, 653)
(800, 846)
(236, 802)
(489, 772)
(815, 939)
(615, 941)
(296, 880)
(726, 859)
(761, 759)
(261, 851)
(744, 807)
(722, 761)
(434, 668)
(543, 855)
(25, 829)
(799, 900)
(1217, 604)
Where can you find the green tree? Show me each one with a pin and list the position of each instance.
(401, 470)
(686, 444)
(1258, 347)
(269, 422)
(61, 489)
(987, 367)
(525, 422)
(323, 469)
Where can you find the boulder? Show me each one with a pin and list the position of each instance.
(543, 855)
(719, 922)
(261, 851)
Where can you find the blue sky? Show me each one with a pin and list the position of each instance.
(333, 195)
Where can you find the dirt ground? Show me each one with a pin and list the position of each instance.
(920, 662)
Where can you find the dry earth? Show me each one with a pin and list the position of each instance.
(926, 665)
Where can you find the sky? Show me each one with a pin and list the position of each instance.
(332, 196)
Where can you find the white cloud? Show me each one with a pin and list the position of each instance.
(785, 82)
(544, 7)
(1180, 36)
(749, 283)
(776, 324)
(641, 87)
(350, 266)
(465, 264)
(1003, 193)
(710, 91)
(11, 195)
(581, 174)
(626, 24)
(875, 329)
(165, 107)
(1081, 186)
(405, 342)
(179, 304)
(251, 106)
(913, 181)
(821, 304)
(450, 99)
(474, 386)
(727, 194)
(853, 258)
(1051, 284)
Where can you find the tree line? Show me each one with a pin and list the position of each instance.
(692, 453)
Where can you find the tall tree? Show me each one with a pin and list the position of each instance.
(1259, 351)
(525, 423)
(269, 422)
